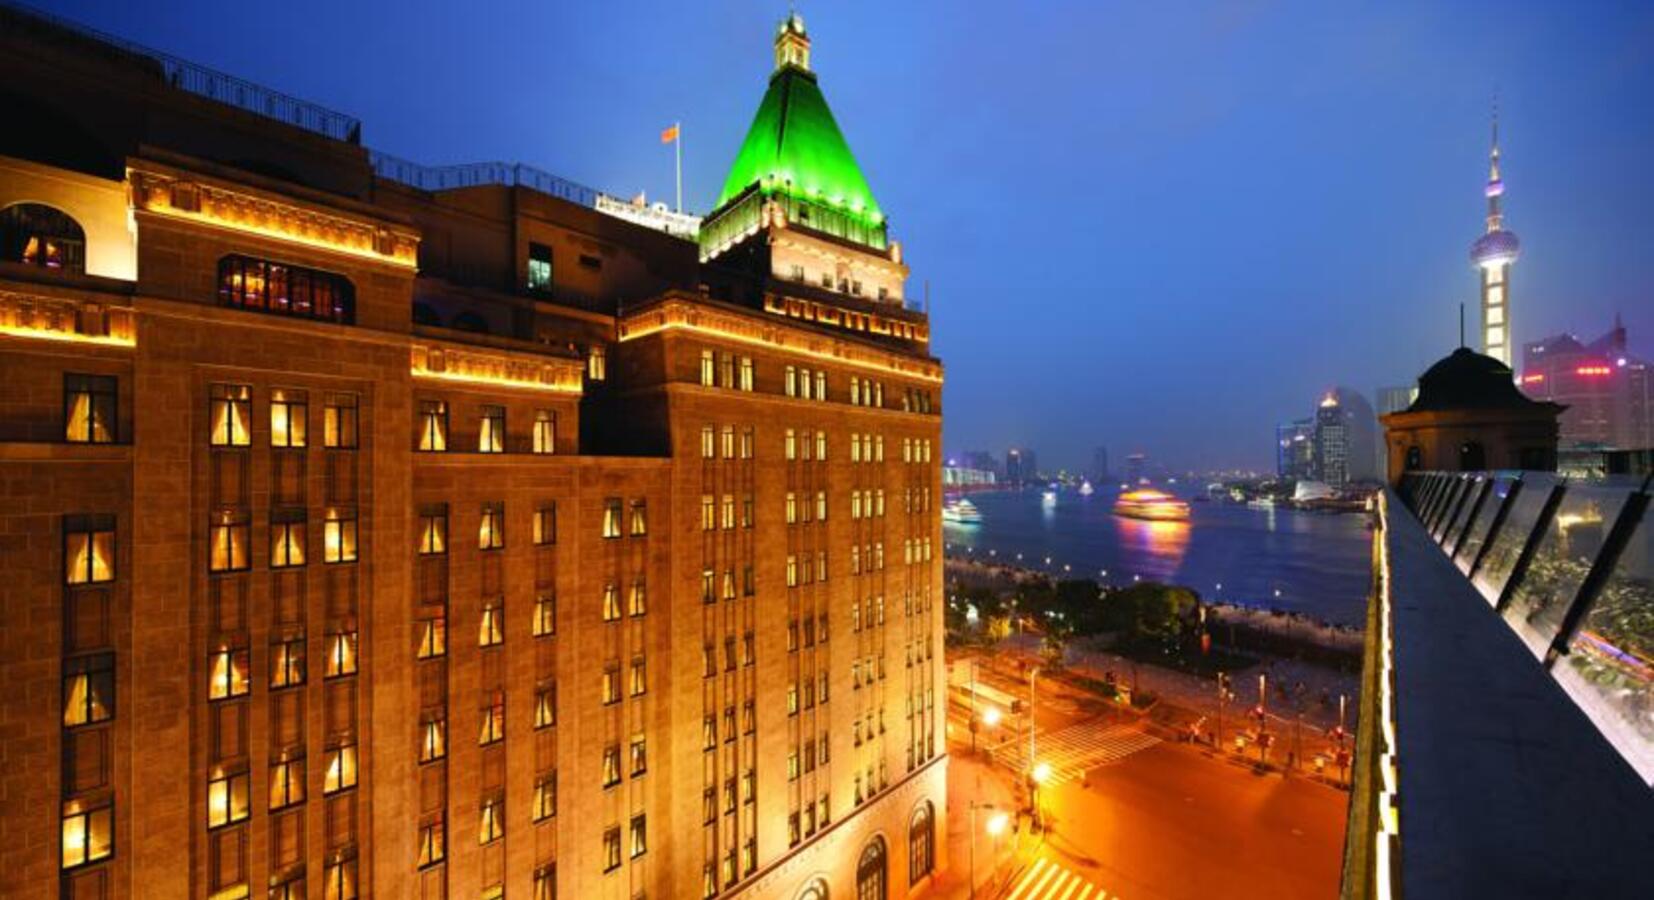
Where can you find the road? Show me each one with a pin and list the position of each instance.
(1137, 817)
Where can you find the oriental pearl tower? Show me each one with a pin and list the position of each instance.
(1493, 254)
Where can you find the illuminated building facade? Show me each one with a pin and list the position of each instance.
(370, 539)
(1469, 416)
(1606, 390)
(1295, 450)
(1493, 254)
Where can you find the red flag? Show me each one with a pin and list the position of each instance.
(669, 135)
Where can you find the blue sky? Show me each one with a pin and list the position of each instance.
(1160, 227)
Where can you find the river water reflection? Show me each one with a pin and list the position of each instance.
(1314, 563)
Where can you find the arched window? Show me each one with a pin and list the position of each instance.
(870, 871)
(423, 314)
(1472, 458)
(815, 890)
(921, 843)
(42, 236)
(284, 290)
(1415, 457)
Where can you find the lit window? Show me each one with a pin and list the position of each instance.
(288, 415)
(728, 441)
(640, 676)
(597, 364)
(539, 268)
(611, 602)
(341, 768)
(287, 543)
(821, 505)
(88, 690)
(232, 413)
(640, 836)
(545, 431)
(433, 426)
(493, 720)
(821, 385)
(640, 755)
(287, 662)
(491, 820)
(746, 373)
(491, 430)
(545, 883)
(88, 549)
(433, 532)
(791, 445)
(545, 705)
(747, 504)
(228, 799)
(746, 443)
(340, 879)
(227, 674)
(432, 841)
(545, 798)
(611, 765)
(640, 518)
(545, 615)
(709, 442)
(792, 508)
(228, 535)
(728, 506)
(89, 408)
(637, 603)
(433, 738)
(339, 424)
(726, 370)
(433, 637)
(491, 529)
(39, 235)
(88, 833)
(271, 287)
(341, 654)
(491, 629)
(707, 368)
(611, 684)
(339, 536)
(545, 524)
(707, 593)
(611, 849)
(611, 517)
(792, 382)
(286, 783)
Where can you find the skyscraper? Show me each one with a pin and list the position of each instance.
(1099, 465)
(1606, 391)
(1345, 439)
(1295, 450)
(392, 539)
(1332, 444)
(1493, 254)
(1021, 465)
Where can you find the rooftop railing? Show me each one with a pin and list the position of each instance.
(1569, 566)
(442, 178)
(215, 85)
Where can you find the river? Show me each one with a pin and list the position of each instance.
(1313, 563)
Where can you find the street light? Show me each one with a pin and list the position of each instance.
(995, 827)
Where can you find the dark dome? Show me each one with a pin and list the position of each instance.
(1495, 246)
(1465, 379)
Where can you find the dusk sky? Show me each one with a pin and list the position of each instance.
(1159, 227)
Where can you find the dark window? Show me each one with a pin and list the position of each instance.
(590, 262)
(88, 408)
(285, 290)
(870, 871)
(539, 267)
(470, 321)
(921, 837)
(423, 314)
(1472, 458)
(42, 236)
(1415, 457)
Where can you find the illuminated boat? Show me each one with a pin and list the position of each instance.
(1049, 498)
(1151, 504)
(1086, 489)
(961, 511)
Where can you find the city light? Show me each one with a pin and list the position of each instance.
(997, 823)
(990, 716)
(1593, 371)
(1042, 773)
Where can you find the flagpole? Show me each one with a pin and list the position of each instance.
(677, 155)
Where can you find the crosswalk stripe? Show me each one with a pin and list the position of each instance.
(1026, 879)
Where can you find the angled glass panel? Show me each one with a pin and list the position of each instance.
(1473, 540)
(1573, 539)
(1461, 516)
(1609, 668)
(1513, 536)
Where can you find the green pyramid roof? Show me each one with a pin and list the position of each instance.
(795, 146)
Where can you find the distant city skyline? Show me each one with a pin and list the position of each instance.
(1173, 223)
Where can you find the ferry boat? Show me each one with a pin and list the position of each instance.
(961, 511)
(1151, 504)
(1086, 489)
(1049, 498)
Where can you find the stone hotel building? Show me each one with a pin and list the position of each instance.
(376, 530)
